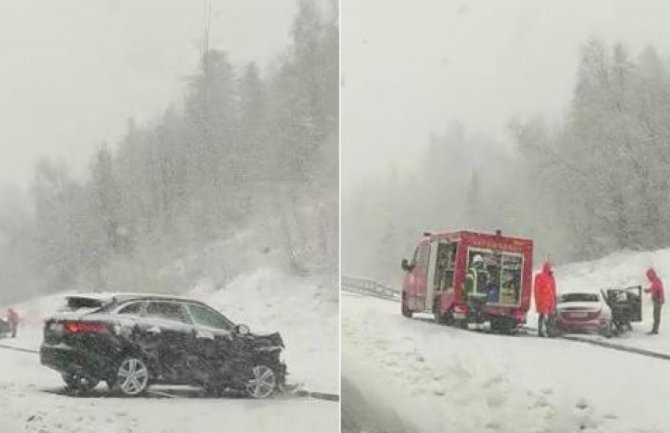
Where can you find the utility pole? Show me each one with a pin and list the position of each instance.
(208, 23)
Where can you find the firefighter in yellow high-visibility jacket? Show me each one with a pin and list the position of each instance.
(476, 280)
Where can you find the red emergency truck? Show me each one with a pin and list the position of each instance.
(474, 280)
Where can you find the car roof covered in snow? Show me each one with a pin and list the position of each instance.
(117, 297)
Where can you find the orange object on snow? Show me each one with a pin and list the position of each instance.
(545, 290)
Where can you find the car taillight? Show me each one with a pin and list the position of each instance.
(86, 328)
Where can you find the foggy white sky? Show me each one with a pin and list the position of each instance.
(410, 67)
(73, 71)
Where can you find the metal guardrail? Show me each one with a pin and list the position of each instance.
(369, 287)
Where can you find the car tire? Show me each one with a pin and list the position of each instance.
(608, 331)
(263, 382)
(79, 383)
(132, 377)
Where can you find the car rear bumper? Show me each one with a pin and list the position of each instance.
(66, 359)
(595, 325)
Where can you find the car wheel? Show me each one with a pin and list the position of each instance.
(132, 377)
(79, 383)
(262, 383)
(608, 331)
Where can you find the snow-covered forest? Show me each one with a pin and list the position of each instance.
(582, 186)
(242, 150)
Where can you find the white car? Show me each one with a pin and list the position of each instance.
(583, 312)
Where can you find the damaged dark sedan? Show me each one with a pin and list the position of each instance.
(131, 341)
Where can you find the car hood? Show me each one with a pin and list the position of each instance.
(269, 340)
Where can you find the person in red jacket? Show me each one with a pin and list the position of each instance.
(545, 297)
(13, 319)
(657, 297)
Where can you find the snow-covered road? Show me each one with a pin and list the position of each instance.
(32, 400)
(439, 379)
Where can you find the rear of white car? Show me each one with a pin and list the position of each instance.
(583, 312)
(5, 329)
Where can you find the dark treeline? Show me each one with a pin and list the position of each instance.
(242, 151)
(594, 183)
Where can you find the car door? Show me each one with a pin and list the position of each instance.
(634, 300)
(215, 339)
(168, 326)
(418, 277)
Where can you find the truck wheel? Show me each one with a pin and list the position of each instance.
(443, 318)
(502, 326)
(405, 311)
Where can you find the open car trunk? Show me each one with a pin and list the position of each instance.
(625, 301)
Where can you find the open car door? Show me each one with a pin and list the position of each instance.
(634, 299)
(627, 300)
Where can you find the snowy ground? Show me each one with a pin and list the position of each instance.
(440, 379)
(31, 398)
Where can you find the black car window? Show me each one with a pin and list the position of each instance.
(76, 303)
(133, 309)
(206, 317)
(168, 311)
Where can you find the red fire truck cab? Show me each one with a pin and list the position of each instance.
(469, 279)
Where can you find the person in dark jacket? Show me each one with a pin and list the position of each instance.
(657, 297)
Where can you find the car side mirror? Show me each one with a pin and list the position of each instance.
(405, 265)
(242, 329)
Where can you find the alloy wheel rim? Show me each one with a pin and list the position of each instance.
(262, 383)
(133, 376)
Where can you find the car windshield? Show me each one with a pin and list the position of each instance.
(579, 297)
(207, 317)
